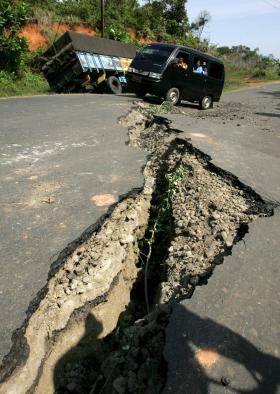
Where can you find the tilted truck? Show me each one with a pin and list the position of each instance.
(78, 62)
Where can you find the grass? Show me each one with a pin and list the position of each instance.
(237, 78)
(33, 84)
(29, 84)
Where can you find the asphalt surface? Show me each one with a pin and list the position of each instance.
(226, 338)
(247, 145)
(228, 332)
(63, 161)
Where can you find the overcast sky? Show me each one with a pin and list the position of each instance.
(255, 23)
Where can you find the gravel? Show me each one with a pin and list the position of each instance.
(210, 212)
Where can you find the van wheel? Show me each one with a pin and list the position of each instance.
(173, 96)
(114, 85)
(206, 102)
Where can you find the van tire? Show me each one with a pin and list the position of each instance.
(206, 103)
(114, 85)
(173, 96)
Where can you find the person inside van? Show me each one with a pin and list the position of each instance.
(200, 69)
(205, 69)
(182, 64)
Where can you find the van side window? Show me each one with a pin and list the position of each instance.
(216, 71)
(200, 66)
(182, 60)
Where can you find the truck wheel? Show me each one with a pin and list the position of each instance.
(114, 85)
(173, 96)
(206, 102)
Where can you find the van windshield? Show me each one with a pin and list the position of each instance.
(152, 58)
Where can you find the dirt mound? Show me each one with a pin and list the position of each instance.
(38, 35)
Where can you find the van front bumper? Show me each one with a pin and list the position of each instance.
(136, 82)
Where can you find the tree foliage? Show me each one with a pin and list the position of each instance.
(154, 18)
(199, 24)
(161, 20)
(85, 10)
(13, 48)
(243, 56)
(175, 14)
(165, 18)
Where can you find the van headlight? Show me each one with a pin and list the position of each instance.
(155, 75)
(130, 69)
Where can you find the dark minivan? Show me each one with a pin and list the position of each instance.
(157, 70)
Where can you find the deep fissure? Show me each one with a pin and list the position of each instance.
(170, 237)
(127, 361)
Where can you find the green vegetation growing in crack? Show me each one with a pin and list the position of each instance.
(198, 212)
(131, 357)
(159, 224)
(164, 108)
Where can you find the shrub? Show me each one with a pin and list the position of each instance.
(13, 49)
(28, 83)
(259, 73)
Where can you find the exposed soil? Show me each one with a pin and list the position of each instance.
(210, 212)
(101, 329)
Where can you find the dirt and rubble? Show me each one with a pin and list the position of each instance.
(229, 113)
(210, 212)
(153, 249)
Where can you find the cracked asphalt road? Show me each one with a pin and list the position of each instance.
(63, 161)
(225, 339)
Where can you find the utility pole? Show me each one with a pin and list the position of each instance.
(102, 17)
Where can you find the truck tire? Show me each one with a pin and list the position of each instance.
(114, 85)
(173, 96)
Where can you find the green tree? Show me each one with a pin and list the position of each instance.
(13, 49)
(165, 18)
(87, 11)
(202, 20)
(152, 20)
(176, 17)
(122, 13)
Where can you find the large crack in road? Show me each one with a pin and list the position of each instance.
(99, 324)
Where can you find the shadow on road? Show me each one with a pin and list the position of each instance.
(207, 357)
(271, 114)
(275, 93)
(203, 356)
(75, 372)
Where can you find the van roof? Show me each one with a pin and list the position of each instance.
(195, 51)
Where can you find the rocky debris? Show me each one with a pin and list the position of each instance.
(223, 112)
(232, 112)
(84, 281)
(138, 365)
(210, 211)
(133, 361)
(209, 207)
(86, 267)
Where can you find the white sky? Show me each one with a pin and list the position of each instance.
(254, 23)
